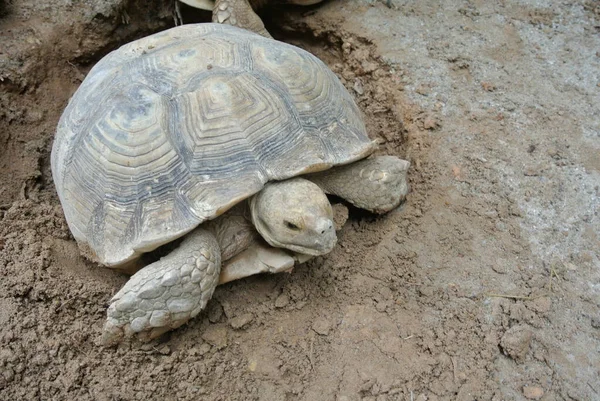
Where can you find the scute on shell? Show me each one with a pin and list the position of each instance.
(175, 128)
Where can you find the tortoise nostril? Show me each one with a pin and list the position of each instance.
(329, 227)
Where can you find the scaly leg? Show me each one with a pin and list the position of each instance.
(238, 13)
(166, 294)
(377, 184)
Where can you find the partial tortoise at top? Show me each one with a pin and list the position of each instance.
(171, 131)
(241, 13)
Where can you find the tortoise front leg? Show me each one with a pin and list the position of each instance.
(239, 13)
(377, 184)
(167, 293)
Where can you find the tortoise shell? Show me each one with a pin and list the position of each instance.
(175, 128)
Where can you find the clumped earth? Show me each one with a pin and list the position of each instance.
(484, 286)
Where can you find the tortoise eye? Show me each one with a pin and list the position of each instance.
(291, 225)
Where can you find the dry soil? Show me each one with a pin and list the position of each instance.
(485, 285)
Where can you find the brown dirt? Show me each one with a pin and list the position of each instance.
(484, 286)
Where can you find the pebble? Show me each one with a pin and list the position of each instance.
(321, 326)
(358, 87)
(164, 350)
(515, 342)
(533, 392)
(241, 321)
(282, 301)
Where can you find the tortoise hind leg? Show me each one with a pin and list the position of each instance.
(167, 293)
(239, 13)
(377, 184)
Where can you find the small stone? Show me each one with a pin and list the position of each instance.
(282, 301)
(241, 321)
(515, 342)
(533, 392)
(321, 326)
(216, 336)
(358, 87)
(595, 322)
(164, 350)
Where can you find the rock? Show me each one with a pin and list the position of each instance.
(216, 336)
(515, 342)
(164, 350)
(533, 392)
(241, 321)
(282, 301)
(321, 326)
(358, 87)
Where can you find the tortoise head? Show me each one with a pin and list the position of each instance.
(294, 214)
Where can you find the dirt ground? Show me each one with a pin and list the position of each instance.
(485, 285)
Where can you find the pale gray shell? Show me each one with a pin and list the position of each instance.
(175, 128)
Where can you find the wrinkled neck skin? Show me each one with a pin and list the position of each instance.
(294, 214)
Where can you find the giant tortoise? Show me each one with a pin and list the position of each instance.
(214, 133)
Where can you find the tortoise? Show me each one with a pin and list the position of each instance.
(241, 13)
(220, 135)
